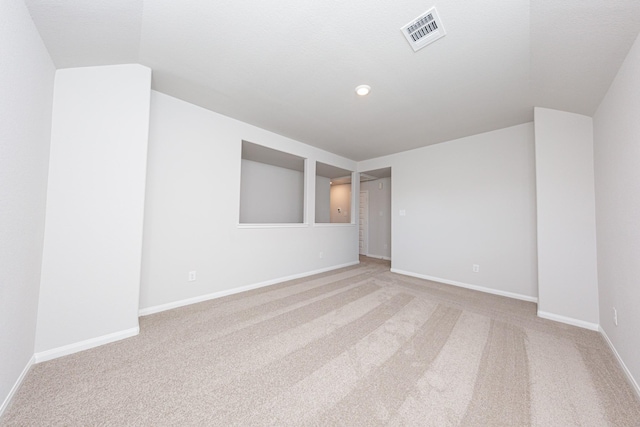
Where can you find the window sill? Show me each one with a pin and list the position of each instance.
(283, 225)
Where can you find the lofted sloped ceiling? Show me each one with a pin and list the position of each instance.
(292, 66)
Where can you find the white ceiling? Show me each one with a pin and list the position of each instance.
(332, 172)
(262, 154)
(292, 66)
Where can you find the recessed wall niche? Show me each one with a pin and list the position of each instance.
(271, 186)
(333, 194)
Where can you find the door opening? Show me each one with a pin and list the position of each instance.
(375, 214)
(363, 221)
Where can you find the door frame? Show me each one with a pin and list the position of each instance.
(363, 228)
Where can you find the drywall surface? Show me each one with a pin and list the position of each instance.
(379, 217)
(323, 189)
(26, 85)
(192, 208)
(340, 204)
(567, 271)
(467, 201)
(95, 200)
(270, 194)
(617, 185)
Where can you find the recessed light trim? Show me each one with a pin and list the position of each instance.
(363, 90)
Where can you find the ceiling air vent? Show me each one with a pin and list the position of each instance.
(423, 30)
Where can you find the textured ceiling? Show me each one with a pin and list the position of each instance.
(292, 66)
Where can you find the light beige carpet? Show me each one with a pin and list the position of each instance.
(353, 347)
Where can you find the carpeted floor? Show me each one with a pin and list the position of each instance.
(352, 347)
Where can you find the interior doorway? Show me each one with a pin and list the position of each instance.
(363, 222)
(374, 218)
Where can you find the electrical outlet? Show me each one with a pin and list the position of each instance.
(615, 316)
(321, 255)
(192, 276)
(476, 268)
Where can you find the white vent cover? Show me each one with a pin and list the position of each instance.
(423, 30)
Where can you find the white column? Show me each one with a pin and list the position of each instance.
(567, 262)
(95, 201)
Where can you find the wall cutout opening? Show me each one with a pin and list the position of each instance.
(271, 186)
(333, 194)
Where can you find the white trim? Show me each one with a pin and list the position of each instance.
(65, 350)
(181, 303)
(378, 256)
(632, 381)
(365, 228)
(333, 224)
(16, 385)
(277, 225)
(468, 286)
(568, 320)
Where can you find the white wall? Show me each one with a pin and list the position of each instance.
(379, 232)
(95, 199)
(26, 88)
(192, 207)
(467, 201)
(270, 194)
(340, 204)
(323, 207)
(567, 273)
(617, 186)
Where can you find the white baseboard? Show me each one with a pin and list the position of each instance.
(54, 353)
(16, 386)
(181, 303)
(467, 286)
(568, 320)
(378, 256)
(626, 370)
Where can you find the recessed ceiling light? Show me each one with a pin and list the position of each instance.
(363, 90)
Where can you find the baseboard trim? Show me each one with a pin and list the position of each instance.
(16, 385)
(632, 381)
(467, 286)
(54, 353)
(181, 303)
(568, 320)
(386, 258)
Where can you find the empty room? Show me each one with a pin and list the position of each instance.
(320, 213)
